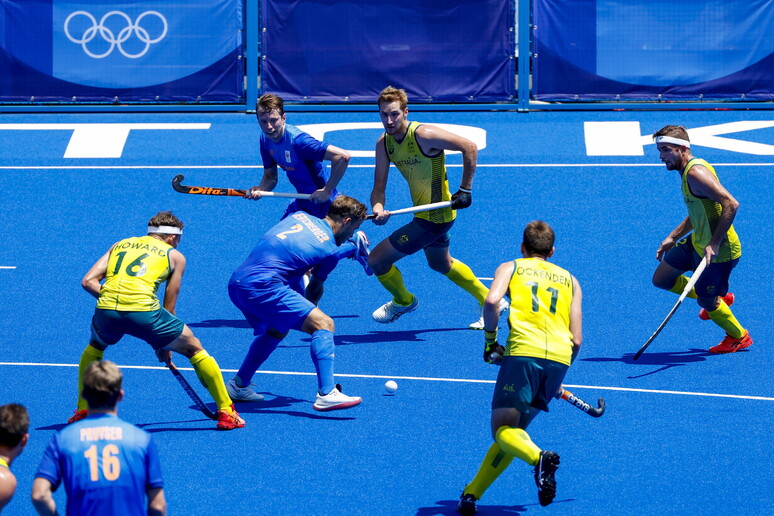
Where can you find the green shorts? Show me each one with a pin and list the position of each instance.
(420, 234)
(158, 328)
(527, 382)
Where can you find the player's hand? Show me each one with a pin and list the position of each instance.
(381, 217)
(164, 355)
(461, 199)
(493, 352)
(253, 193)
(710, 252)
(320, 196)
(665, 246)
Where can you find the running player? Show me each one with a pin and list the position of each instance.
(261, 289)
(711, 213)
(14, 423)
(107, 466)
(302, 158)
(127, 303)
(417, 150)
(545, 336)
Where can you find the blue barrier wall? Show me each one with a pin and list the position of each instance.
(160, 50)
(655, 49)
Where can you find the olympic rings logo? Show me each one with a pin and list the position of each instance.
(132, 28)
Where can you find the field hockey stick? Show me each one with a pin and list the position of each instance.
(191, 393)
(694, 278)
(230, 192)
(585, 407)
(415, 209)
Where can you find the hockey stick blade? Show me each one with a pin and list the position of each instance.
(177, 184)
(191, 393)
(585, 407)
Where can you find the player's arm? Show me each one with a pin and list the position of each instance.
(381, 171)
(174, 280)
(7, 486)
(576, 318)
(669, 242)
(433, 139)
(339, 159)
(703, 183)
(42, 498)
(91, 282)
(268, 183)
(157, 504)
(497, 290)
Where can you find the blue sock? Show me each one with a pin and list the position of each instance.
(321, 352)
(260, 349)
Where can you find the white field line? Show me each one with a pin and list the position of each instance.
(7, 266)
(479, 165)
(422, 378)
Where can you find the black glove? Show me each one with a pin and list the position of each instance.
(493, 352)
(461, 199)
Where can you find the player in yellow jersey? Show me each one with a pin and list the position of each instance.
(545, 322)
(711, 213)
(128, 304)
(417, 150)
(14, 426)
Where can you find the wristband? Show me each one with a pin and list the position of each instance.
(465, 190)
(490, 336)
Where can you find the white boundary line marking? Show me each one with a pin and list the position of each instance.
(479, 165)
(423, 378)
(7, 266)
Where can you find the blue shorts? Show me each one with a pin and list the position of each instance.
(158, 328)
(713, 281)
(419, 234)
(526, 382)
(274, 306)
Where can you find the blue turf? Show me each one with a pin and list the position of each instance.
(411, 453)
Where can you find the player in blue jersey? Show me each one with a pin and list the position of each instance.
(107, 466)
(262, 288)
(302, 158)
(14, 423)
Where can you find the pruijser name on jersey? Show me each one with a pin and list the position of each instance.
(102, 433)
(306, 221)
(545, 275)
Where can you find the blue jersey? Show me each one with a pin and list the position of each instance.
(106, 464)
(301, 157)
(292, 247)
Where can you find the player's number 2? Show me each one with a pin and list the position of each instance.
(111, 466)
(295, 228)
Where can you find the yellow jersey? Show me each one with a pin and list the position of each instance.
(705, 214)
(136, 267)
(425, 175)
(539, 319)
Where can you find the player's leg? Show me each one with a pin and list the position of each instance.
(669, 273)
(329, 396)
(260, 349)
(712, 287)
(382, 261)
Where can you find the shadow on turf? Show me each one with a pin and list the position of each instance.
(666, 360)
(379, 337)
(449, 507)
(270, 405)
(241, 323)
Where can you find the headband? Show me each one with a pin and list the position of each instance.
(167, 230)
(676, 141)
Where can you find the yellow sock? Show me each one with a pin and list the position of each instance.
(680, 284)
(516, 442)
(723, 317)
(209, 374)
(392, 280)
(89, 355)
(461, 275)
(495, 462)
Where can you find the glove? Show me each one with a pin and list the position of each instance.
(461, 199)
(493, 351)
